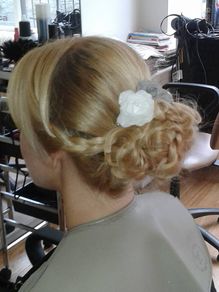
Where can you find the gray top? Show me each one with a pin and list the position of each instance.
(152, 245)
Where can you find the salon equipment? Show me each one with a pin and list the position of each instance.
(27, 199)
(42, 19)
(201, 154)
(197, 50)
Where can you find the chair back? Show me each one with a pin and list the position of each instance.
(214, 142)
(206, 97)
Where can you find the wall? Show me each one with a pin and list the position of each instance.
(116, 18)
(113, 18)
(189, 8)
(151, 13)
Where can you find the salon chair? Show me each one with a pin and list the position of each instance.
(27, 199)
(205, 149)
(45, 205)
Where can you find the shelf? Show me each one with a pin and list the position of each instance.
(4, 75)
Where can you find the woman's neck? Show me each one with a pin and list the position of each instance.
(82, 204)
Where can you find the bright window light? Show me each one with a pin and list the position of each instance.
(12, 11)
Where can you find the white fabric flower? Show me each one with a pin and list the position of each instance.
(136, 108)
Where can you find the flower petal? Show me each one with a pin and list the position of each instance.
(135, 108)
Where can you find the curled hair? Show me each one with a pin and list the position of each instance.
(69, 100)
(155, 149)
(129, 154)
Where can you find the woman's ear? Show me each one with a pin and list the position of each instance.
(56, 158)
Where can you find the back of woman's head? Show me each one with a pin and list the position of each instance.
(64, 95)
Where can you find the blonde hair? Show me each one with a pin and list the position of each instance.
(64, 95)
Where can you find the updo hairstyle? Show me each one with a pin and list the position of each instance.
(64, 95)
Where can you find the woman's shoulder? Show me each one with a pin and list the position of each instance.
(154, 228)
(166, 209)
(158, 200)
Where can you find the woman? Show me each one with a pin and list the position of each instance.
(91, 130)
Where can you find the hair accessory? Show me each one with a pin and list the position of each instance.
(136, 108)
(155, 90)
